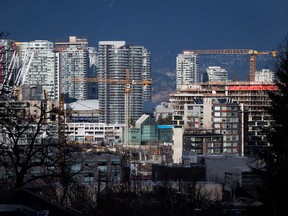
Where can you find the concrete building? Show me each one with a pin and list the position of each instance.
(187, 69)
(73, 62)
(92, 87)
(228, 121)
(83, 111)
(93, 133)
(265, 75)
(177, 144)
(37, 63)
(115, 57)
(215, 74)
(93, 168)
(212, 126)
(205, 143)
(9, 63)
(253, 96)
(164, 110)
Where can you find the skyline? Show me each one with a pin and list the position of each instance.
(164, 27)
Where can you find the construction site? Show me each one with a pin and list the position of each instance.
(252, 94)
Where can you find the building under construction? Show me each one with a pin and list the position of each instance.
(253, 95)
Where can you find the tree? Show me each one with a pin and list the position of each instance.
(31, 147)
(164, 120)
(275, 170)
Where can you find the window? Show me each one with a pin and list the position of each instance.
(89, 162)
(177, 117)
(217, 151)
(88, 177)
(102, 163)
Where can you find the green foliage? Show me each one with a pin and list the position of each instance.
(164, 121)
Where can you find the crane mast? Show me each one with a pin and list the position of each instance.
(127, 82)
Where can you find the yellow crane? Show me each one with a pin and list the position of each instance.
(252, 53)
(127, 90)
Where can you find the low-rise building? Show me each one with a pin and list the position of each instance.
(163, 110)
(93, 167)
(93, 133)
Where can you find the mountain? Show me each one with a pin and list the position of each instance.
(238, 66)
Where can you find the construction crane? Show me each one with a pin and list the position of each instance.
(252, 53)
(127, 91)
(21, 76)
(7, 72)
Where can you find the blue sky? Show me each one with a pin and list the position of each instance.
(165, 27)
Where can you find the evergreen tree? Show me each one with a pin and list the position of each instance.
(275, 171)
(168, 119)
(160, 120)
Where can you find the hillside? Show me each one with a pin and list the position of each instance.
(237, 65)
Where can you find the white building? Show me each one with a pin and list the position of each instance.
(265, 75)
(187, 69)
(37, 60)
(164, 110)
(73, 62)
(215, 74)
(93, 133)
(177, 145)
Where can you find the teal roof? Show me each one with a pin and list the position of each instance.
(164, 126)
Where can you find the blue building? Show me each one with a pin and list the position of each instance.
(147, 131)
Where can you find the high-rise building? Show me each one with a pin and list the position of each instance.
(146, 74)
(215, 74)
(37, 60)
(73, 62)
(265, 75)
(187, 69)
(7, 60)
(92, 87)
(115, 57)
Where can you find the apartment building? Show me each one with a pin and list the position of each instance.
(73, 62)
(187, 69)
(265, 75)
(8, 62)
(212, 126)
(253, 96)
(92, 87)
(37, 66)
(95, 168)
(115, 57)
(215, 74)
